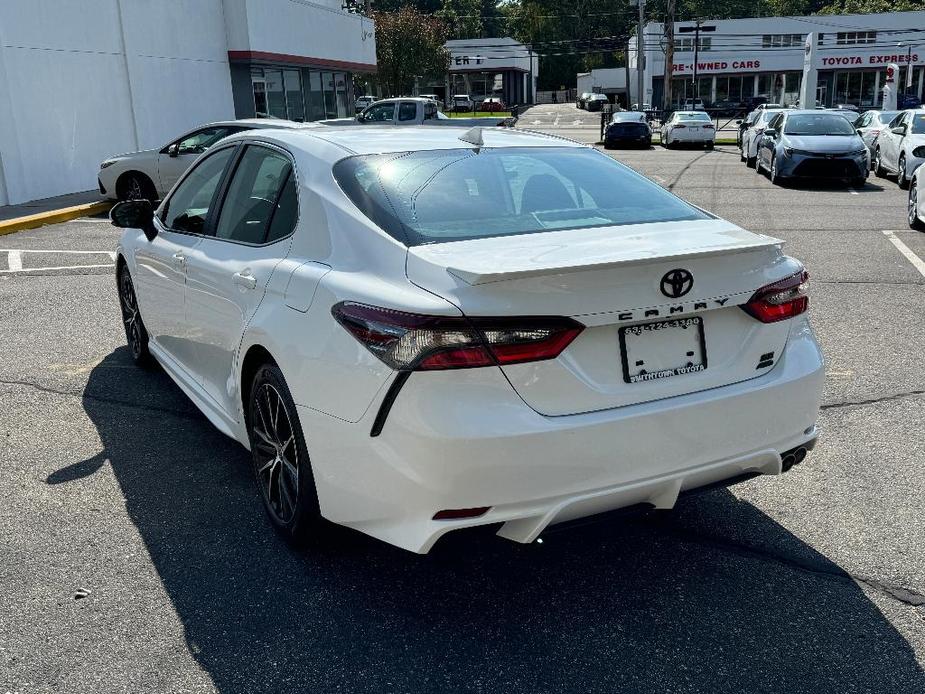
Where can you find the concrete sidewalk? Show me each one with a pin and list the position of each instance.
(33, 207)
(29, 215)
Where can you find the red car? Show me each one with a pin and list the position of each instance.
(492, 104)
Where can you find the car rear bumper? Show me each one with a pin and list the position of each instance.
(464, 439)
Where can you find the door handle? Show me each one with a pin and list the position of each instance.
(179, 260)
(245, 279)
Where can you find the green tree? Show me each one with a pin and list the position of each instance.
(463, 18)
(409, 44)
(870, 6)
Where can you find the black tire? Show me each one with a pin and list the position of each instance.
(136, 335)
(774, 177)
(281, 464)
(901, 179)
(134, 185)
(859, 182)
(913, 218)
(709, 145)
(879, 171)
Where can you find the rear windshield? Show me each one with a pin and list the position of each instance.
(818, 124)
(694, 115)
(459, 194)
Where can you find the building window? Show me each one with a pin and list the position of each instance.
(295, 107)
(782, 40)
(315, 96)
(851, 38)
(686, 45)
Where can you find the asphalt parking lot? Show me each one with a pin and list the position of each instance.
(136, 556)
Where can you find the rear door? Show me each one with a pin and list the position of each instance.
(228, 272)
(889, 142)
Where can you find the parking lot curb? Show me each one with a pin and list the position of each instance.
(34, 221)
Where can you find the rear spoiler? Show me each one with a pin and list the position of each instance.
(501, 259)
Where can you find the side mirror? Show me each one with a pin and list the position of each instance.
(173, 150)
(899, 130)
(134, 214)
(770, 134)
(739, 122)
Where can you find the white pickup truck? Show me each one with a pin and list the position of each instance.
(413, 111)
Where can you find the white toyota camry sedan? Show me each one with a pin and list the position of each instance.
(419, 330)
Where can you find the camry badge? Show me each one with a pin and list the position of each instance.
(677, 283)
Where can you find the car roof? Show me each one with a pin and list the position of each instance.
(260, 123)
(384, 139)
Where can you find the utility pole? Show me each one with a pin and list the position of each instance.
(640, 53)
(669, 58)
(696, 29)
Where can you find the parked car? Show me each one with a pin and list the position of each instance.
(596, 102)
(582, 99)
(433, 97)
(492, 104)
(412, 110)
(870, 125)
(752, 135)
(726, 108)
(916, 208)
(848, 114)
(150, 173)
(362, 102)
(461, 103)
(905, 101)
(693, 105)
(645, 107)
(744, 124)
(812, 144)
(689, 127)
(900, 147)
(391, 354)
(628, 128)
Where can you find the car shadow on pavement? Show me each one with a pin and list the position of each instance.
(714, 597)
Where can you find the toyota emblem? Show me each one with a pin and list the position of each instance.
(677, 283)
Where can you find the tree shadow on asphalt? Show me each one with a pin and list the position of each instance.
(714, 597)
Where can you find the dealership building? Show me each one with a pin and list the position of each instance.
(81, 81)
(740, 58)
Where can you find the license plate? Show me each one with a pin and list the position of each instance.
(653, 351)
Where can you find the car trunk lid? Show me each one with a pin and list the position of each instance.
(611, 280)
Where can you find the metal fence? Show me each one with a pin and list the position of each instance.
(723, 119)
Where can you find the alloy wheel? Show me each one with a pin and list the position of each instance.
(276, 455)
(913, 212)
(130, 316)
(901, 173)
(134, 189)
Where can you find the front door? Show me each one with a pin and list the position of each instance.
(889, 142)
(228, 273)
(177, 157)
(162, 263)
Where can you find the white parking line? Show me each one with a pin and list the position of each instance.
(917, 262)
(853, 191)
(46, 269)
(14, 261)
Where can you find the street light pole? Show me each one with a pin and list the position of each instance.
(640, 53)
(696, 29)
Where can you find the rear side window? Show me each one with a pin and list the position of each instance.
(453, 195)
(407, 111)
(253, 196)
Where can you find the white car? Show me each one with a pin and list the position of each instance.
(689, 127)
(916, 209)
(150, 173)
(693, 105)
(871, 124)
(453, 327)
(752, 136)
(461, 102)
(900, 147)
(362, 102)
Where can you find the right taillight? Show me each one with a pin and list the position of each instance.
(414, 342)
(783, 299)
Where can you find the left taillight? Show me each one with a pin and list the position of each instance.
(780, 300)
(415, 342)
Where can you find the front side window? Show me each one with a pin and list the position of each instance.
(451, 195)
(201, 140)
(818, 124)
(380, 113)
(253, 195)
(188, 207)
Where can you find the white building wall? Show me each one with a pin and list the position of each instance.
(83, 81)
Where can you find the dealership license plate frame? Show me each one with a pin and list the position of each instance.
(671, 323)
